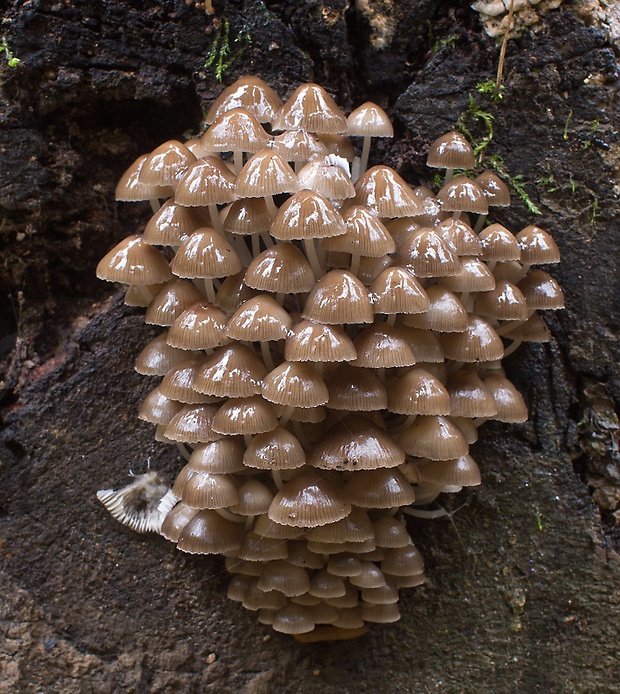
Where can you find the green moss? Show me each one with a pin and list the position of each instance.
(11, 60)
(446, 42)
(224, 51)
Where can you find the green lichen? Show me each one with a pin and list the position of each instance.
(11, 60)
(225, 51)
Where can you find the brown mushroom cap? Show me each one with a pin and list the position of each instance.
(382, 488)
(284, 577)
(172, 224)
(193, 424)
(233, 292)
(469, 397)
(479, 342)
(386, 194)
(254, 499)
(222, 456)
(266, 173)
(250, 93)
(510, 404)
(505, 302)
(396, 290)
(541, 291)
(295, 384)
(418, 392)
(134, 262)
(355, 390)
(434, 437)
(537, 246)
(293, 619)
(325, 585)
(462, 472)
(494, 188)
(307, 215)
(208, 533)
(178, 383)
(260, 319)
(356, 443)
(245, 416)
(248, 216)
(201, 326)
(499, 244)
(256, 550)
(339, 297)
(369, 119)
(308, 500)
(157, 408)
(459, 236)
(534, 329)
(206, 490)
(275, 450)
(403, 561)
(451, 151)
(166, 164)
(206, 253)
(234, 371)
(382, 346)
(281, 268)
(425, 345)
(299, 145)
(310, 108)
(365, 235)
(390, 532)
(474, 276)
(236, 130)
(157, 357)
(207, 181)
(176, 519)
(328, 176)
(426, 254)
(300, 555)
(445, 313)
(310, 341)
(131, 189)
(170, 301)
(462, 194)
(355, 528)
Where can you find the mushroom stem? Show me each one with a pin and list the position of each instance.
(454, 366)
(255, 244)
(249, 522)
(512, 348)
(468, 301)
(267, 358)
(365, 153)
(280, 296)
(155, 205)
(401, 428)
(301, 436)
(286, 415)
(525, 268)
(480, 223)
(313, 258)
(271, 206)
(449, 176)
(183, 450)
(418, 513)
(235, 518)
(208, 285)
(277, 478)
(355, 263)
(391, 319)
(242, 250)
(267, 240)
(216, 220)
(238, 159)
(355, 169)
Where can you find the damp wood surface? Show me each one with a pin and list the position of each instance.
(524, 575)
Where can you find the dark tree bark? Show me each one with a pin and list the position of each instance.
(523, 589)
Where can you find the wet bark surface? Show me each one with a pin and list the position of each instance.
(524, 572)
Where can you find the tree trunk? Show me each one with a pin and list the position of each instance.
(524, 571)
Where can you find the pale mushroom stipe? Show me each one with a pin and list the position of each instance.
(331, 343)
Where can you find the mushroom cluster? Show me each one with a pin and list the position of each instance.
(331, 342)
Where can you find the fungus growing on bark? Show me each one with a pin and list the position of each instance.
(330, 355)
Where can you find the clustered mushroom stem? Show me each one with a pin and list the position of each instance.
(208, 285)
(183, 450)
(238, 159)
(407, 424)
(216, 220)
(155, 205)
(242, 250)
(267, 358)
(277, 478)
(301, 437)
(355, 263)
(419, 513)
(391, 319)
(512, 348)
(480, 223)
(255, 244)
(365, 153)
(313, 258)
(271, 206)
(449, 176)
(249, 522)
(468, 301)
(267, 240)
(235, 518)
(280, 296)
(286, 415)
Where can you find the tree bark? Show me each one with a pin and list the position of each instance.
(524, 571)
